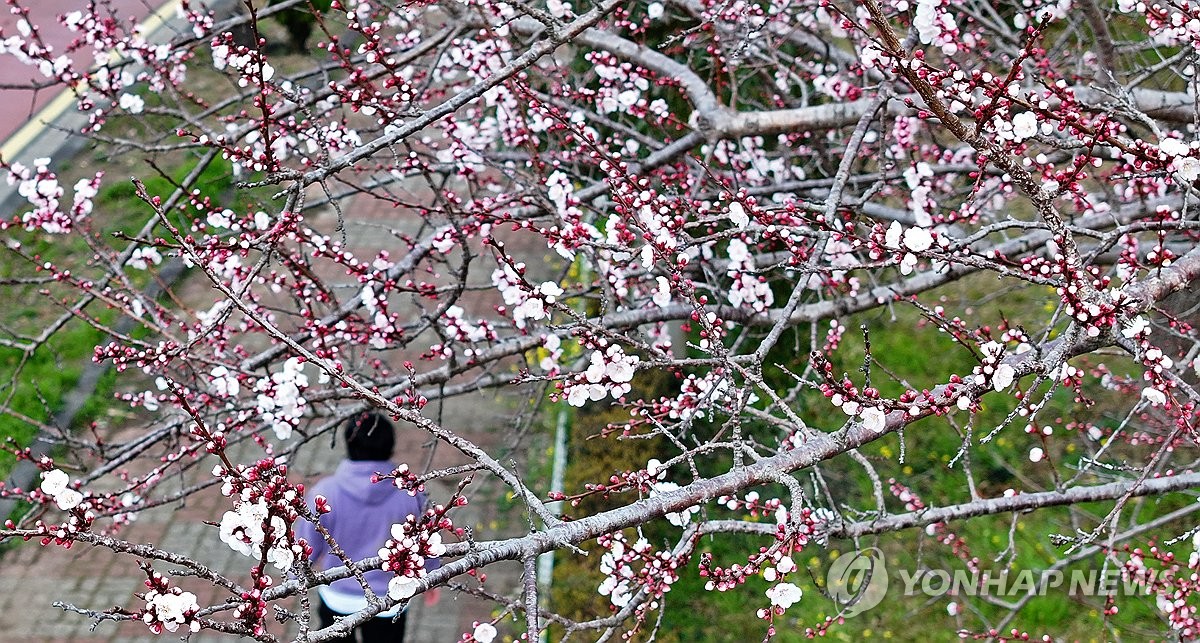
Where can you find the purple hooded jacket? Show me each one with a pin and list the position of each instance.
(360, 518)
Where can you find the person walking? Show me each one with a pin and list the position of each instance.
(360, 520)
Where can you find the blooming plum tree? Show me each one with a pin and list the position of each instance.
(570, 199)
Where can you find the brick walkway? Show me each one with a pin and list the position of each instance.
(34, 578)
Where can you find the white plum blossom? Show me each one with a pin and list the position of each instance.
(580, 394)
(524, 306)
(784, 595)
(747, 287)
(616, 590)
(220, 219)
(1178, 153)
(402, 587)
(558, 190)
(874, 419)
(453, 320)
(553, 346)
(738, 216)
(892, 238)
(1135, 327)
(484, 633)
(662, 294)
(1003, 377)
(143, 258)
(932, 25)
(68, 499)
(1036, 454)
(550, 290)
(54, 482)
(1188, 168)
(1024, 125)
(1173, 147)
(241, 528)
(223, 382)
(917, 239)
(132, 103)
(1154, 396)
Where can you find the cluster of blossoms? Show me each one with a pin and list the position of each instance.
(280, 400)
(609, 372)
(629, 568)
(1178, 156)
(57, 485)
(405, 553)
(523, 305)
(464, 330)
(1156, 362)
(774, 563)
(1019, 127)
(412, 542)
(381, 326)
(748, 288)
(1097, 311)
(41, 189)
(1170, 24)
(223, 382)
(264, 511)
(873, 418)
(168, 608)
(754, 504)
(553, 347)
(245, 530)
(699, 397)
(248, 62)
(866, 404)
(1173, 581)
(992, 367)
(906, 242)
(416, 539)
(30, 51)
(144, 257)
(935, 26)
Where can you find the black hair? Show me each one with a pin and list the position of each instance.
(369, 436)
